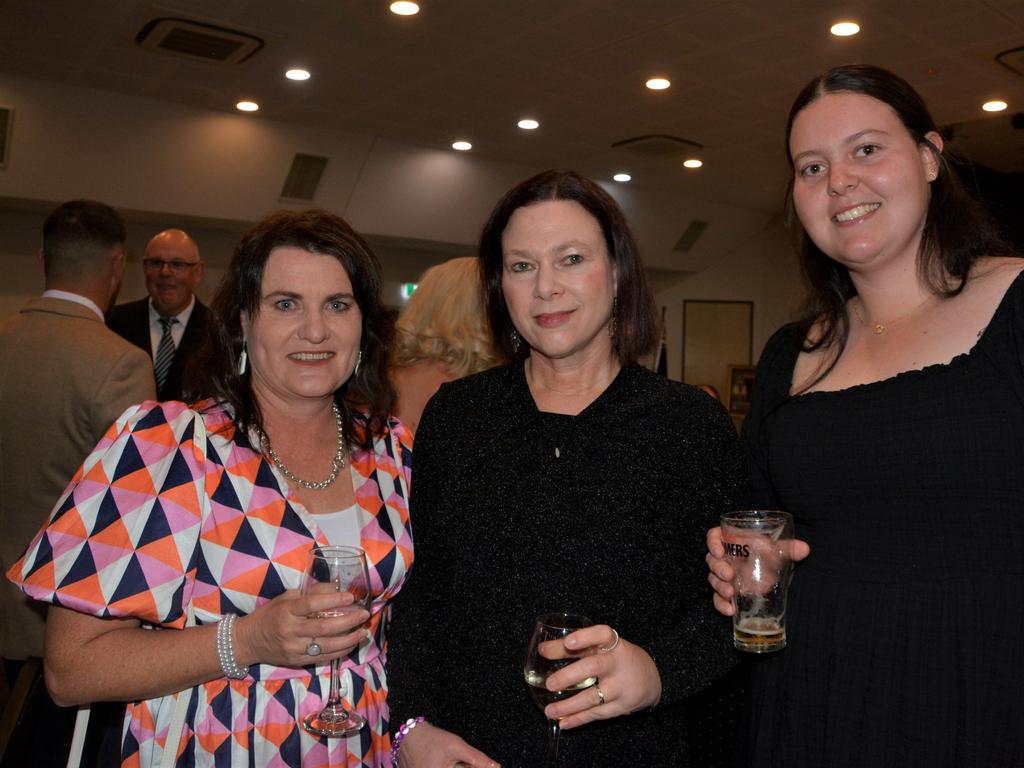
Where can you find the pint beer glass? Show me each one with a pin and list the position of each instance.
(756, 544)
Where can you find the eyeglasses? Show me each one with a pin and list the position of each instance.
(176, 267)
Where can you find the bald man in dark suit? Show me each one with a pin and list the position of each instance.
(171, 324)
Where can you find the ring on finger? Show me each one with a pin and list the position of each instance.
(614, 645)
(313, 649)
(600, 695)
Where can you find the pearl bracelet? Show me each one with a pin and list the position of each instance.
(226, 648)
(403, 731)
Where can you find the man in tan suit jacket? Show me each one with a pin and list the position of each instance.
(64, 379)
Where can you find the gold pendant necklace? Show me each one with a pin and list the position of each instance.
(879, 328)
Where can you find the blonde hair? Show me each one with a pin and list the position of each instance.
(445, 321)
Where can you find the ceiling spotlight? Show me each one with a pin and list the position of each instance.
(247, 106)
(528, 124)
(462, 146)
(297, 74)
(994, 106)
(692, 162)
(623, 177)
(405, 8)
(845, 28)
(658, 83)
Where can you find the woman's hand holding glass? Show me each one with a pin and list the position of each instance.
(280, 631)
(721, 573)
(627, 678)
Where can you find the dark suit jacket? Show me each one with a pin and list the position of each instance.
(131, 322)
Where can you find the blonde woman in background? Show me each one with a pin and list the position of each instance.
(442, 335)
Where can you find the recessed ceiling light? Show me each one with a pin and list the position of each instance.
(692, 162)
(994, 106)
(528, 124)
(462, 146)
(622, 177)
(247, 106)
(845, 28)
(405, 8)
(297, 74)
(658, 83)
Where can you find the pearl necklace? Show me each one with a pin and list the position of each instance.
(879, 328)
(337, 463)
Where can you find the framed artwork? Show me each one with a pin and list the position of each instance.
(716, 335)
(741, 386)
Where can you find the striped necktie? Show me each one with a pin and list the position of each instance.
(164, 352)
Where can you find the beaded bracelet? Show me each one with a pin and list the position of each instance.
(403, 731)
(226, 648)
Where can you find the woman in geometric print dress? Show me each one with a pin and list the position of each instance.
(204, 505)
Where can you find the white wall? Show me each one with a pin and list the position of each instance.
(761, 268)
(213, 172)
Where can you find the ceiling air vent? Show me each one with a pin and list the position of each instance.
(657, 145)
(303, 177)
(197, 40)
(1013, 60)
(690, 236)
(6, 123)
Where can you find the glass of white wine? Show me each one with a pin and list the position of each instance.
(337, 569)
(549, 630)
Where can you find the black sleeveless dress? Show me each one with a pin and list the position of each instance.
(906, 623)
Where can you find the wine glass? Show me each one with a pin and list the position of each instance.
(548, 632)
(337, 569)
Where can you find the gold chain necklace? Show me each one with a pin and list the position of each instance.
(879, 328)
(336, 463)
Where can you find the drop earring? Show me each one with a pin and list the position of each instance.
(613, 325)
(243, 361)
(359, 361)
(515, 341)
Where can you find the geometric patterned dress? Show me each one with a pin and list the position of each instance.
(155, 518)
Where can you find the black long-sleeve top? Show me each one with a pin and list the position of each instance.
(517, 512)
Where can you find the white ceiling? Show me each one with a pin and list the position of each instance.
(471, 68)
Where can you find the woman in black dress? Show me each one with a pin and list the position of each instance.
(889, 421)
(571, 480)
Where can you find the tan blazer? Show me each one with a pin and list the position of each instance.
(64, 378)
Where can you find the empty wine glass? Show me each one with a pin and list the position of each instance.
(337, 569)
(548, 632)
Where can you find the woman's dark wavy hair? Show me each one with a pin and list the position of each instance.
(214, 371)
(636, 329)
(957, 230)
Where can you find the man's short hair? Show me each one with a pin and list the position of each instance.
(78, 235)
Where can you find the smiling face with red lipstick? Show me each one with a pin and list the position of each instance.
(558, 280)
(303, 342)
(861, 182)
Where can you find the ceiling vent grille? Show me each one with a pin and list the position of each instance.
(690, 236)
(303, 177)
(1013, 60)
(657, 145)
(6, 124)
(196, 40)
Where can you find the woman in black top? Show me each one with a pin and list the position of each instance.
(571, 480)
(889, 422)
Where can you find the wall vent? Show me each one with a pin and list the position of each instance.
(690, 236)
(303, 177)
(657, 145)
(197, 40)
(6, 124)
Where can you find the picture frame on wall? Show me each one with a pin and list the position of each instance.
(741, 387)
(716, 335)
